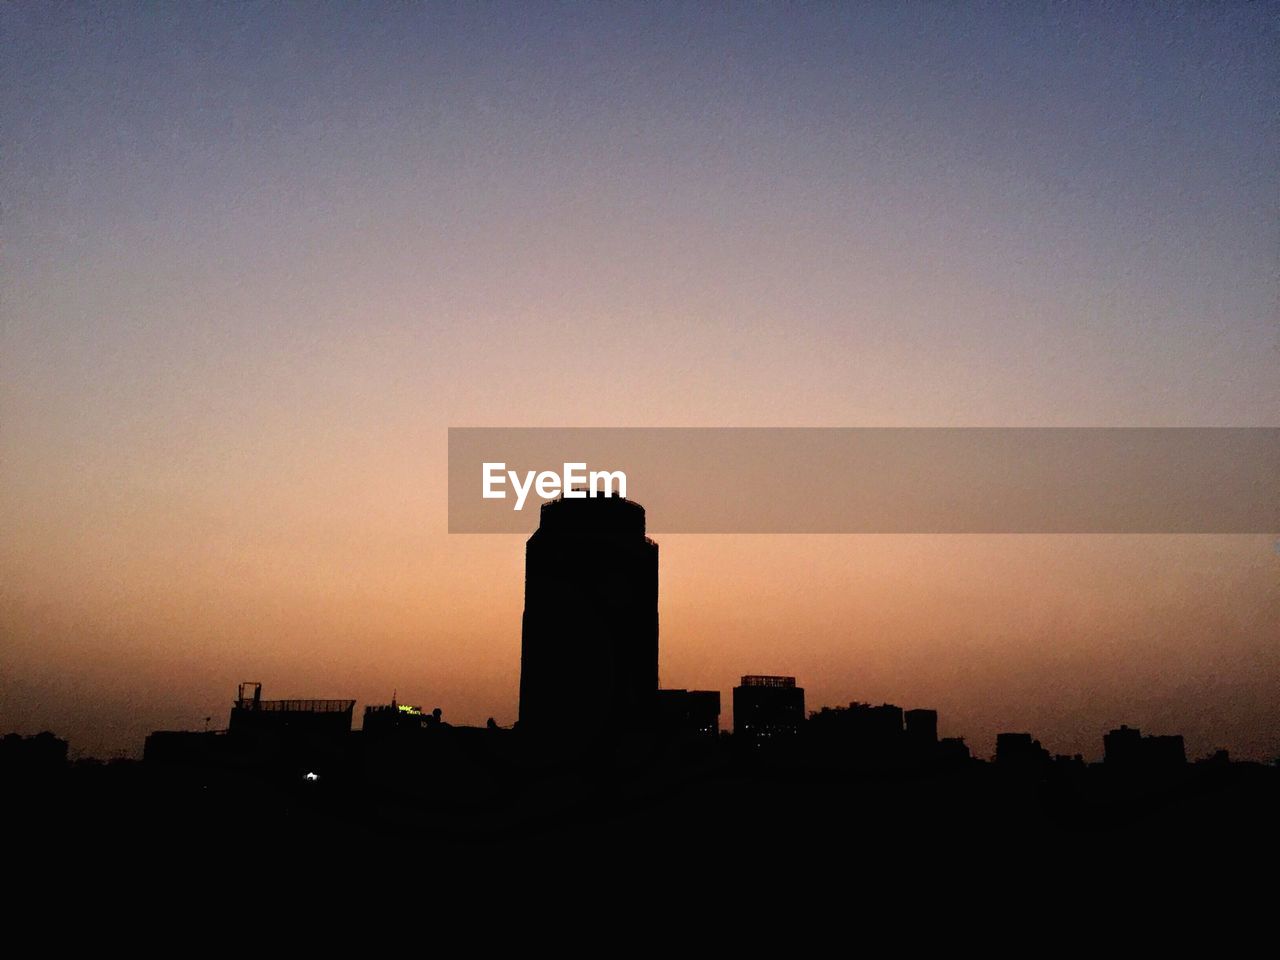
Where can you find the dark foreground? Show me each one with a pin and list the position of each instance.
(694, 811)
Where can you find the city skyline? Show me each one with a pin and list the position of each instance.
(590, 662)
(259, 258)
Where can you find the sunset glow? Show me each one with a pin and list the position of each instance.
(256, 266)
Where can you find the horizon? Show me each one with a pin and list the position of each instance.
(1166, 720)
(259, 260)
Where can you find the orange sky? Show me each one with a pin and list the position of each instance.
(253, 271)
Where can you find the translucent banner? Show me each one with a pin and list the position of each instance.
(876, 480)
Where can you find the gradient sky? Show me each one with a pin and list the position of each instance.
(258, 257)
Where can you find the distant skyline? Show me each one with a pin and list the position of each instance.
(258, 258)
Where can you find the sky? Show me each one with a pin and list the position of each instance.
(257, 258)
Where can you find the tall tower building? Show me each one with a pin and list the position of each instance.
(589, 656)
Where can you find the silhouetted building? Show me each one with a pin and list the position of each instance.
(589, 654)
(922, 726)
(1222, 758)
(766, 709)
(871, 736)
(41, 754)
(288, 733)
(689, 714)
(953, 751)
(184, 747)
(1127, 749)
(1122, 747)
(393, 717)
(1165, 751)
(882, 724)
(1072, 764)
(1020, 753)
(402, 747)
(289, 718)
(861, 726)
(920, 736)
